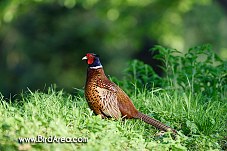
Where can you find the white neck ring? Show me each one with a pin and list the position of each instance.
(96, 67)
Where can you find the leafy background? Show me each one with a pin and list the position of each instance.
(156, 51)
(42, 42)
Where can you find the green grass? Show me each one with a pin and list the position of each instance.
(58, 114)
(191, 98)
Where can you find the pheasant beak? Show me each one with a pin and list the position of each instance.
(84, 58)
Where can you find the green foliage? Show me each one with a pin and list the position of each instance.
(140, 75)
(196, 84)
(58, 114)
(42, 41)
(198, 115)
(198, 70)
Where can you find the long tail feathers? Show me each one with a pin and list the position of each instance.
(155, 123)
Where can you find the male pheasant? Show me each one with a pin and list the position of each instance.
(105, 98)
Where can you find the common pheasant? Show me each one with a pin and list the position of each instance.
(105, 98)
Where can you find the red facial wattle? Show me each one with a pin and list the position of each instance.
(90, 58)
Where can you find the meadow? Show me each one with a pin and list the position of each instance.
(191, 97)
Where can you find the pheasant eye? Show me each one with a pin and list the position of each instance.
(89, 55)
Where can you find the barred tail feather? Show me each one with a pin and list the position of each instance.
(155, 123)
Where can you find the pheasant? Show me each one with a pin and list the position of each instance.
(105, 98)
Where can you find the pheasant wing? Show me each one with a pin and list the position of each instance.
(108, 99)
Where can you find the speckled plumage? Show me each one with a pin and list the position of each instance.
(105, 98)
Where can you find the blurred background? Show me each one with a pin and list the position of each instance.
(42, 41)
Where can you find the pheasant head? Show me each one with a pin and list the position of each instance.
(92, 61)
